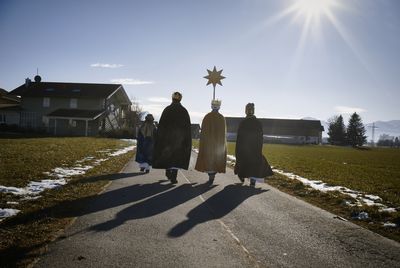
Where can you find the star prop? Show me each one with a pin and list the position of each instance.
(214, 77)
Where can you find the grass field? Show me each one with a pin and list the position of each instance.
(23, 160)
(373, 171)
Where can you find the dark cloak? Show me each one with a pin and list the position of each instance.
(145, 145)
(250, 161)
(174, 138)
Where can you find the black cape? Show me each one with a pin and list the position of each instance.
(250, 161)
(173, 142)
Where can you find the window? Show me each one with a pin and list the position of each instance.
(73, 104)
(72, 123)
(2, 118)
(45, 121)
(46, 102)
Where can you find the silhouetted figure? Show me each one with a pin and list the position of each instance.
(145, 144)
(250, 161)
(174, 139)
(212, 148)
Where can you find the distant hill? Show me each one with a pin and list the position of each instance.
(392, 128)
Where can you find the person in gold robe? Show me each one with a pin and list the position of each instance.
(212, 149)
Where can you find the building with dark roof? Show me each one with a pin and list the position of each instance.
(9, 108)
(288, 131)
(72, 109)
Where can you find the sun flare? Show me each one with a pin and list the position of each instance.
(313, 8)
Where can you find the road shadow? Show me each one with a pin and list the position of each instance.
(215, 207)
(96, 202)
(155, 205)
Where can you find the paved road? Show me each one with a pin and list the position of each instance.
(143, 221)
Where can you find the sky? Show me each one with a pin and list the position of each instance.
(291, 58)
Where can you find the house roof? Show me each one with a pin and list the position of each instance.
(281, 127)
(11, 108)
(69, 90)
(4, 94)
(76, 113)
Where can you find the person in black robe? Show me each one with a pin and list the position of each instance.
(250, 161)
(174, 139)
(145, 144)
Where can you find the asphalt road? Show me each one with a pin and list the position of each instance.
(141, 220)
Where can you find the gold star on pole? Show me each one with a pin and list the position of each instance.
(214, 77)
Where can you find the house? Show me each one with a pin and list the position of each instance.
(287, 131)
(9, 108)
(72, 109)
(195, 128)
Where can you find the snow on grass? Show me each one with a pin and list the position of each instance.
(389, 224)
(362, 198)
(7, 212)
(60, 175)
(123, 151)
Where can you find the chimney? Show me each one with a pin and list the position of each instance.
(27, 82)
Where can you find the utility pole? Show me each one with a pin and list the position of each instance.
(373, 134)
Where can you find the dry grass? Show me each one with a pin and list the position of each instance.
(40, 221)
(373, 171)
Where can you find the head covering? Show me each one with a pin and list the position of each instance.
(176, 96)
(215, 104)
(147, 129)
(250, 109)
(149, 118)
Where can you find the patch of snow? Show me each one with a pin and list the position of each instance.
(35, 187)
(61, 175)
(123, 150)
(7, 212)
(390, 224)
(12, 190)
(360, 216)
(362, 198)
(389, 210)
(12, 203)
(372, 197)
(133, 141)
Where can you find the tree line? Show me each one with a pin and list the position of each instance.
(353, 134)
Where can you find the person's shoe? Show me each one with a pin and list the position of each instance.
(252, 182)
(173, 174)
(141, 169)
(147, 170)
(211, 177)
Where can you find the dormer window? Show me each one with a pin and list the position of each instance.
(73, 103)
(46, 102)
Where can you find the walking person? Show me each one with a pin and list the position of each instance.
(212, 148)
(250, 161)
(174, 139)
(145, 144)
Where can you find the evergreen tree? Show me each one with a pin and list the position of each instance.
(337, 131)
(356, 131)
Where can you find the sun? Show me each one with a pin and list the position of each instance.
(313, 8)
